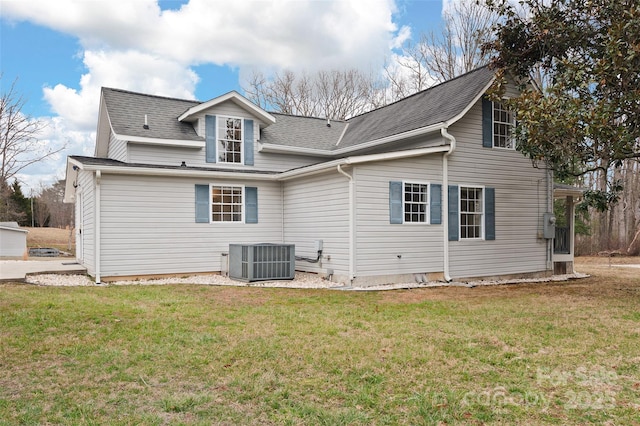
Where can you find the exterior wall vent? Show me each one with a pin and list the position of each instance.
(260, 262)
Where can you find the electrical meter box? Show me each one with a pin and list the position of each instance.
(549, 226)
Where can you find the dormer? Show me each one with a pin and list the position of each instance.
(230, 124)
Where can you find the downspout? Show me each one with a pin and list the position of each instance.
(97, 225)
(445, 199)
(351, 225)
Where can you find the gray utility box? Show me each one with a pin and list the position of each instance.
(260, 262)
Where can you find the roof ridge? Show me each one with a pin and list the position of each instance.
(421, 92)
(307, 116)
(150, 95)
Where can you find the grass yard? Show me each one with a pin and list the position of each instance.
(563, 353)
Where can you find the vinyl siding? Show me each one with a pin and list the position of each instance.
(117, 149)
(166, 155)
(378, 242)
(86, 189)
(317, 208)
(148, 226)
(195, 157)
(520, 200)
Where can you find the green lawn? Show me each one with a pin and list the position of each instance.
(563, 353)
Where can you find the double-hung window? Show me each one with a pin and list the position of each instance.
(503, 127)
(416, 202)
(471, 212)
(230, 130)
(226, 203)
(498, 125)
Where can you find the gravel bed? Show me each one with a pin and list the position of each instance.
(301, 280)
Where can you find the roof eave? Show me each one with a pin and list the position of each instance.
(568, 192)
(157, 171)
(71, 180)
(471, 104)
(159, 141)
(393, 138)
(234, 96)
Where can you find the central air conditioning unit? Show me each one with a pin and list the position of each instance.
(260, 262)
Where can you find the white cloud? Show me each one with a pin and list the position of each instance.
(129, 70)
(134, 45)
(275, 33)
(54, 136)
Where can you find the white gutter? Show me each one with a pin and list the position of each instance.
(97, 225)
(158, 171)
(158, 141)
(352, 251)
(445, 200)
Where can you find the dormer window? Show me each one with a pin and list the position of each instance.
(503, 126)
(229, 141)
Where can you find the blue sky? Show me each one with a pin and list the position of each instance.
(63, 51)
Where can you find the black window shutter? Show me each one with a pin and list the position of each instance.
(210, 138)
(490, 213)
(435, 204)
(251, 204)
(395, 202)
(454, 230)
(487, 123)
(202, 204)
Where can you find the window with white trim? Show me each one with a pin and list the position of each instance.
(226, 203)
(503, 127)
(471, 212)
(416, 202)
(230, 130)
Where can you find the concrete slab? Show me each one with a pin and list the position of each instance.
(17, 270)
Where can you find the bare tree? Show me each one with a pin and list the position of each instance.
(60, 213)
(456, 49)
(19, 145)
(331, 94)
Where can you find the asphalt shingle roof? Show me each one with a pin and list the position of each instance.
(431, 106)
(437, 104)
(303, 132)
(127, 110)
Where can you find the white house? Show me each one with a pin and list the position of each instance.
(429, 187)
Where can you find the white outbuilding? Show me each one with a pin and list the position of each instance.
(13, 240)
